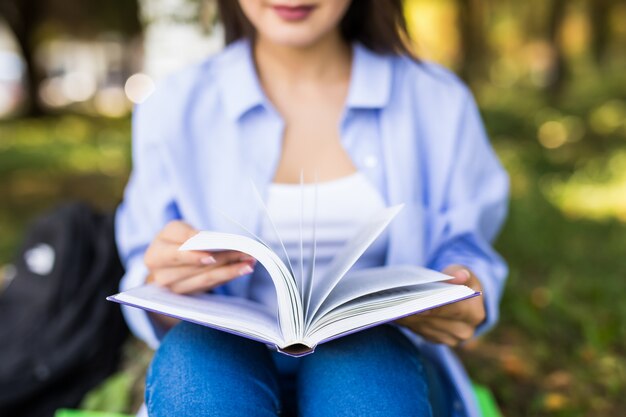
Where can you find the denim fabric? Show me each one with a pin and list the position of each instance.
(199, 371)
(412, 128)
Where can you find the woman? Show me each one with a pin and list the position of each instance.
(327, 88)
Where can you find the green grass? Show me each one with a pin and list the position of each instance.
(561, 345)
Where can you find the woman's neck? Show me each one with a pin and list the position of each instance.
(328, 61)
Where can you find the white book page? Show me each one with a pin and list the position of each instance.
(356, 284)
(265, 211)
(300, 279)
(290, 311)
(306, 296)
(348, 255)
(383, 307)
(243, 228)
(234, 314)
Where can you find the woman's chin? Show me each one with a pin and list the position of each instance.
(293, 37)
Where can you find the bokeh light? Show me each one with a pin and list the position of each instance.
(111, 102)
(78, 86)
(139, 87)
(552, 134)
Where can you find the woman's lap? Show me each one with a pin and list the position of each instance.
(200, 371)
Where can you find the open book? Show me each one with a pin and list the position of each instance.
(311, 309)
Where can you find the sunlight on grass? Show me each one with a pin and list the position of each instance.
(597, 191)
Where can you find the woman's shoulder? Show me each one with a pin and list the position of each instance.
(430, 81)
(178, 93)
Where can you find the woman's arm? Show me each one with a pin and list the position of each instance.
(453, 323)
(464, 224)
(149, 232)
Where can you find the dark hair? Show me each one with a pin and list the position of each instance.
(377, 24)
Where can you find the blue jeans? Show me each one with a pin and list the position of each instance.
(199, 371)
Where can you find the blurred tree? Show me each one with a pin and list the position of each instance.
(559, 70)
(473, 43)
(23, 17)
(84, 19)
(599, 13)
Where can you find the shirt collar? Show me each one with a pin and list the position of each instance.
(240, 86)
(370, 80)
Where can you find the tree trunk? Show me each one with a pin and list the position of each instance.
(22, 18)
(599, 12)
(475, 54)
(559, 70)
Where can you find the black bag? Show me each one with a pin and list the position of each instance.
(59, 337)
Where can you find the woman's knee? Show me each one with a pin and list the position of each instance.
(212, 373)
(376, 372)
(380, 341)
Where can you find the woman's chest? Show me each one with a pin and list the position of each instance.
(311, 143)
(225, 159)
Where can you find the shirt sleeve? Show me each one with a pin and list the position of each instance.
(472, 211)
(148, 205)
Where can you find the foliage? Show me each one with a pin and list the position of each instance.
(555, 107)
(559, 349)
(48, 160)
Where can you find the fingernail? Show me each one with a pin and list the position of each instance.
(246, 270)
(207, 260)
(466, 274)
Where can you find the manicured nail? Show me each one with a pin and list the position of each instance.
(465, 273)
(207, 260)
(246, 270)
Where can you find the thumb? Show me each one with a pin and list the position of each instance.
(459, 274)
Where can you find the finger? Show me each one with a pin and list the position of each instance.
(454, 311)
(230, 256)
(459, 274)
(164, 254)
(177, 232)
(211, 278)
(167, 276)
(437, 336)
(459, 330)
(471, 311)
(413, 319)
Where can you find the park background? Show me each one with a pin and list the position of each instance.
(550, 80)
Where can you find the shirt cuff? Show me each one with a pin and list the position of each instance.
(138, 320)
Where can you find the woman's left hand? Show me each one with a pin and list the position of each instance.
(453, 323)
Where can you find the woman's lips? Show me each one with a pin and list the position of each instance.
(293, 13)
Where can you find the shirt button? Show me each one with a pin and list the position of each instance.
(370, 161)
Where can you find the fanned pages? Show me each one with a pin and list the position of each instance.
(261, 204)
(311, 273)
(313, 310)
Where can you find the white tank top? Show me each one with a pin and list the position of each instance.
(342, 206)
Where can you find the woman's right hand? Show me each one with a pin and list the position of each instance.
(187, 272)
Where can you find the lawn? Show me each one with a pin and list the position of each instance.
(560, 349)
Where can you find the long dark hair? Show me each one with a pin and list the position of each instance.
(377, 24)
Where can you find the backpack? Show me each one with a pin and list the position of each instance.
(59, 337)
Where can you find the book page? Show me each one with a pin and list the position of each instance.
(266, 212)
(290, 311)
(384, 306)
(356, 284)
(233, 314)
(310, 277)
(348, 255)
